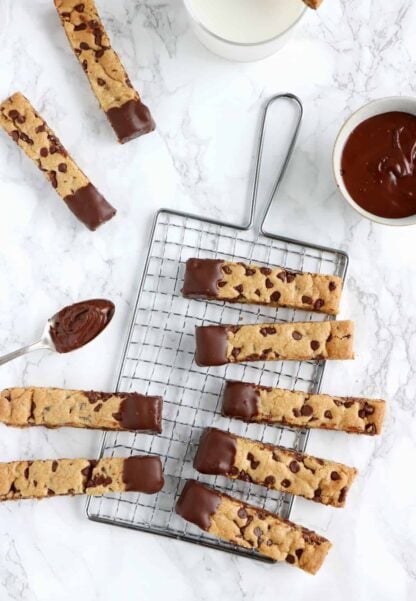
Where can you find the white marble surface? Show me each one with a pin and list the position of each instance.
(200, 159)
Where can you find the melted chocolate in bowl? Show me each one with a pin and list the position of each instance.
(378, 165)
(80, 323)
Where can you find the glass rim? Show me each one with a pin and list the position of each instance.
(243, 44)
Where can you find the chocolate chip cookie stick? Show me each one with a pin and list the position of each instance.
(56, 407)
(39, 479)
(27, 128)
(278, 468)
(218, 345)
(251, 527)
(313, 3)
(261, 404)
(121, 103)
(214, 279)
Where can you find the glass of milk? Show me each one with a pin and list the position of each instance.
(244, 30)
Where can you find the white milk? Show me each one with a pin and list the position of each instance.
(246, 21)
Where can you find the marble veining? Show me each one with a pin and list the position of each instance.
(200, 159)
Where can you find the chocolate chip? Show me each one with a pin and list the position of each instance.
(235, 352)
(370, 428)
(234, 471)
(298, 553)
(40, 129)
(290, 558)
(269, 481)
(268, 331)
(84, 46)
(80, 27)
(269, 542)
(53, 149)
(226, 269)
(269, 283)
(62, 167)
(290, 276)
(306, 410)
(44, 152)
(26, 473)
(328, 414)
(100, 81)
(315, 345)
(14, 135)
(317, 493)
(53, 180)
(296, 335)
(50, 492)
(285, 483)
(342, 495)
(244, 476)
(25, 138)
(13, 114)
(296, 412)
(257, 292)
(98, 38)
(258, 531)
(98, 407)
(275, 296)
(294, 467)
(99, 53)
(85, 65)
(250, 271)
(221, 284)
(239, 288)
(66, 15)
(281, 275)
(242, 513)
(275, 456)
(348, 404)
(332, 286)
(319, 304)
(335, 476)
(79, 7)
(307, 300)
(54, 466)
(254, 464)
(265, 270)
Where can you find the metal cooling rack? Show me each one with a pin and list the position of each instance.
(158, 359)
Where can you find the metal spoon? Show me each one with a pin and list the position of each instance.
(45, 342)
(87, 319)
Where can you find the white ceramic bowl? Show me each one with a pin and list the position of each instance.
(236, 51)
(404, 104)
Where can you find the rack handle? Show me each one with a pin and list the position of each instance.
(292, 143)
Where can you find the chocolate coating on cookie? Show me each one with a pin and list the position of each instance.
(240, 400)
(216, 452)
(197, 504)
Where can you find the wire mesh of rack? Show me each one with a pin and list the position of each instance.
(159, 360)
